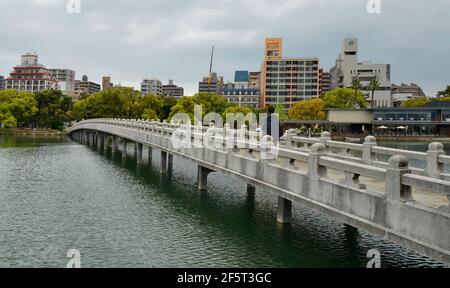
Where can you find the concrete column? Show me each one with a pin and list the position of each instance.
(284, 214)
(113, 144)
(251, 190)
(99, 141)
(124, 148)
(150, 154)
(105, 139)
(395, 190)
(202, 177)
(170, 162)
(367, 155)
(135, 146)
(139, 153)
(433, 167)
(163, 162)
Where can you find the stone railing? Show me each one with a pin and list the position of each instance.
(434, 160)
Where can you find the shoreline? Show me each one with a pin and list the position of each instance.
(30, 132)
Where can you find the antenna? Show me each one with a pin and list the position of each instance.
(210, 68)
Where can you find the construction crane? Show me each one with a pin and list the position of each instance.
(210, 69)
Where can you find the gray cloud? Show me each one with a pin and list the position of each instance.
(130, 39)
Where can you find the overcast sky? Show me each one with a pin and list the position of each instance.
(130, 40)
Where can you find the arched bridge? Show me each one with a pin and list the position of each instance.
(373, 188)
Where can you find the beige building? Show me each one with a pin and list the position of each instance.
(287, 81)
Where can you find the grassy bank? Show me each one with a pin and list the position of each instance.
(30, 132)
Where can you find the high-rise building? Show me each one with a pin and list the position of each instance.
(325, 82)
(66, 80)
(348, 68)
(241, 92)
(172, 90)
(286, 81)
(2, 82)
(30, 76)
(213, 84)
(151, 86)
(106, 82)
(85, 86)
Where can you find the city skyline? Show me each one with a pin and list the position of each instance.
(96, 43)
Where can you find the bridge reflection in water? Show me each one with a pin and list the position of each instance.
(402, 204)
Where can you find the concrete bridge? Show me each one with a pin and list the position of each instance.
(363, 185)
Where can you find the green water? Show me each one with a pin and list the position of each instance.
(57, 195)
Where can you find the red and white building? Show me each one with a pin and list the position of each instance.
(30, 76)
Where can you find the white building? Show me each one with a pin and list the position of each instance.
(152, 86)
(66, 80)
(30, 76)
(347, 68)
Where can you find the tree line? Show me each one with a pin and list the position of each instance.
(52, 109)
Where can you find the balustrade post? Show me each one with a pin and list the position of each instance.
(324, 137)
(315, 170)
(367, 155)
(433, 167)
(395, 190)
(289, 139)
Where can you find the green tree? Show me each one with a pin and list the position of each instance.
(444, 93)
(167, 104)
(416, 103)
(53, 108)
(279, 109)
(344, 98)
(20, 105)
(149, 114)
(208, 101)
(186, 105)
(237, 109)
(308, 110)
(374, 84)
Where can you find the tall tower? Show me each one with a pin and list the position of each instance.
(274, 49)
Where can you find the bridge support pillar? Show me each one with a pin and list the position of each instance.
(150, 154)
(124, 148)
(113, 144)
(105, 142)
(284, 214)
(135, 146)
(163, 162)
(99, 142)
(170, 162)
(251, 190)
(139, 153)
(202, 177)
